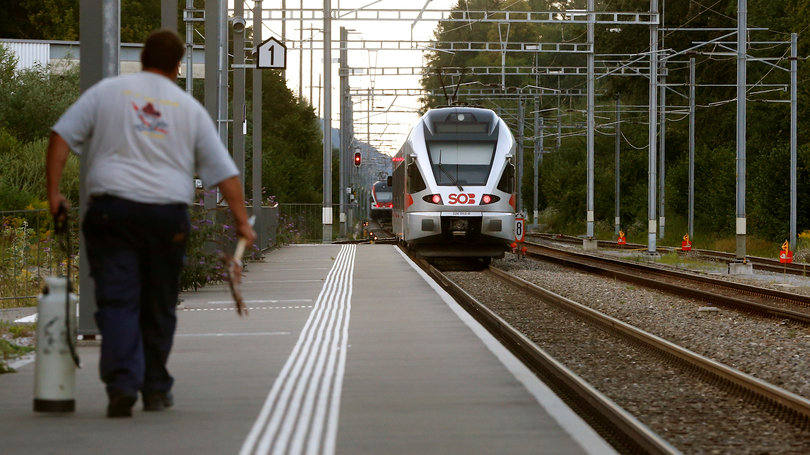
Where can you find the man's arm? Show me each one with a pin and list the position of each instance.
(58, 152)
(231, 188)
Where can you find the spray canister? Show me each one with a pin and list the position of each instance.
(55, 371)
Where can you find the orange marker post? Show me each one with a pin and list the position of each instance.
(786, 256)
(686, 245)
(622, 240)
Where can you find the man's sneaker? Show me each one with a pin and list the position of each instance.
(120, 405)
(157, 401)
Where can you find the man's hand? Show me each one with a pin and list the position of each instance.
(57, 156)
(245, 231)
(56, 200)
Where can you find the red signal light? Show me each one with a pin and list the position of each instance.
(357, 159)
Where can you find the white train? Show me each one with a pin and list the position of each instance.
(454, 185)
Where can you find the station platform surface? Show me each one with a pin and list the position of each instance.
(347, 349)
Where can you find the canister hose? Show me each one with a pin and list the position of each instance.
(60, 224)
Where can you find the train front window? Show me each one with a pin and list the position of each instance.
(384, 196)
(461, 162)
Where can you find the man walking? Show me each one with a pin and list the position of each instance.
(143, 139)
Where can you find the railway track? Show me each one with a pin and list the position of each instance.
(752, 299)
(625, 431)
(759, 263)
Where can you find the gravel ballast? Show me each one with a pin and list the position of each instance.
(771, 349)
(694, 416)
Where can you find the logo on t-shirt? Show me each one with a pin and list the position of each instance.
(150, 120)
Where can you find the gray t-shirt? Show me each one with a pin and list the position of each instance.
(143, 138)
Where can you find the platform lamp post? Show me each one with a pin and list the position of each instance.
(100, 30)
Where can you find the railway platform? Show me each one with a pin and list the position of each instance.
(346, 349)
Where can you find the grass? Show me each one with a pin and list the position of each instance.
(9, 349)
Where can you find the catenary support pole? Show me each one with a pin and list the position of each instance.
(257, 130)
(189, 47)
(537, 156)
(168, 15)
(222, 72)
(100, 30)
(311, 65)
(793, 134)
(213, 24)
(301, 51)
(742, 32)
(559, 116)
(344, 88)
(591, 122)
(691, 221)
(662, 150)
(521, 137)
(652, 138)
(327, 121)
(239, 92)
(284, 34)
(617, 167)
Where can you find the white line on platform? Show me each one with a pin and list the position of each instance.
(573, 424)
(251, 308)
(222, 302)
(305, 396)
(27, 319)
(226, 334)
(281, 281)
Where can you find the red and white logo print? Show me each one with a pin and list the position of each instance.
(461, 198)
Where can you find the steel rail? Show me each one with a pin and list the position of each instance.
(792, 404)
(621, 427)
(679, 283)
(759, 263)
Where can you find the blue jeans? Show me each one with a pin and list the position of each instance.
(136, 252)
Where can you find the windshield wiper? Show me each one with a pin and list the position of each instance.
(453, 180)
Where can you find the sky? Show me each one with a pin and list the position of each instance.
(397, 123)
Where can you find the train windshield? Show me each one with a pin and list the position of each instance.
(382, 192)
(461, 163)
(384, 196)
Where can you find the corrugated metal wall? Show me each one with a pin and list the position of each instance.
(29, 54)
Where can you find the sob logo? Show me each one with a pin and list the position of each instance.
(461, 198)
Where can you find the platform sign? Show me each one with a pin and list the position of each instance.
(520, 229)
(272, 54)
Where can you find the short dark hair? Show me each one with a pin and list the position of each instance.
(162, 50)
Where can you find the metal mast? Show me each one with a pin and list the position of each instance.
(257, 127)
(793, 138)
(691, 221)
(327, 121)
(590, 120)
(652, 222)
(617, 167)
(742, 31)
